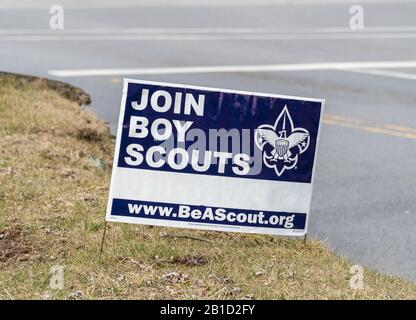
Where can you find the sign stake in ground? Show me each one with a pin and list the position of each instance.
(103, 240)
(214, 159)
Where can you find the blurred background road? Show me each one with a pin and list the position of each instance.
(364, 202)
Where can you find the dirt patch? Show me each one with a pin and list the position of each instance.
(65, 90)
(92, 132)
(186, 260)
(15, 246)
(190, 260)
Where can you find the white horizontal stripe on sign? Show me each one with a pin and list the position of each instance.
(216, 191)
(242, 68)
(185, 86)
(209, 226)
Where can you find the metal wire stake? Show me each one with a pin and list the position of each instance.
(103, 240)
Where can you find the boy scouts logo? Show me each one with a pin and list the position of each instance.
(282, 143)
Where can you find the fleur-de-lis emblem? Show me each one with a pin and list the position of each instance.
(281, 143)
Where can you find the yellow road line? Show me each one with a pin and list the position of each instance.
(388, 129)
(400, 128)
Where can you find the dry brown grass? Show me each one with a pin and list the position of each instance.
(54, 175)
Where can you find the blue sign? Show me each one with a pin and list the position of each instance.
(214, 159)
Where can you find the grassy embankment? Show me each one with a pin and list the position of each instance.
(55, 163)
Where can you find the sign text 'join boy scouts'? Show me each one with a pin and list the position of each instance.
(162, 129)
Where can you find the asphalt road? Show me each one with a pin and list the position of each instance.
(364, 201)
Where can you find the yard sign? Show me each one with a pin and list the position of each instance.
(214, 159)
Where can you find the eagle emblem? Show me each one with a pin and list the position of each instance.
(281, 143)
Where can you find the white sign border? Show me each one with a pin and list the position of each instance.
(196, 225)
